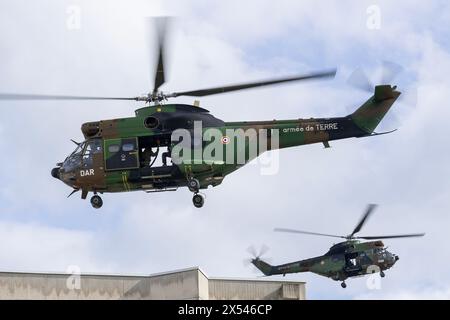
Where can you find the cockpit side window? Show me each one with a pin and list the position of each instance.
(73, 161)
(93, 147)
(78, 149)
(377, 250)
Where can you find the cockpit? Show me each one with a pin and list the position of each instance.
(82, 157)
(384, 255)
(73, 161)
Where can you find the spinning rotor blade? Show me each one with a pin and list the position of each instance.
(247, 262)
(256, 254)
(243, 86)
(263, 250)
(413, 235)
(160, 24)
(252, 251)
(358, 227)
(359, 80)
(14, 96)
(389, 71)
(409, 97)
(306, 232)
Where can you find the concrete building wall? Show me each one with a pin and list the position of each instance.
(190, 284)
(176, 285)
(220, 289)
(59, 286)
(203, 286)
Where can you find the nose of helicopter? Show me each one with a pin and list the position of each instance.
(393, 259)
(60, 172)
(55, 173)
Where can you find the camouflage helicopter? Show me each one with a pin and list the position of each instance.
(135, 153)
(343, 260)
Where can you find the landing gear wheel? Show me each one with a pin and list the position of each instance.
(193, 185)
(382, 274)
(343, 285)
(96, 202)
(198, 200)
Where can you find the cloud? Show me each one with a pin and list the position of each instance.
(36, 247)
(418, 294)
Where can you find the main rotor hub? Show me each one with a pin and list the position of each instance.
(156, 97)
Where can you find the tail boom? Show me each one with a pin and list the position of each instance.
(370, 114)
(294, 267)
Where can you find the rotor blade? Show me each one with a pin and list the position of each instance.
(160, 24)
(247, 262)
(389, 71)
(263, 250)
(257, 253)
(249, 85)
(413, 235)
(363, 220)
(409, 97)
(359, 80)
(15, 96)
(252, 251)
(306, 232)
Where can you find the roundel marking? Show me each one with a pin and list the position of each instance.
(225, 140)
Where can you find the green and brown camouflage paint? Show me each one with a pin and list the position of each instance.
(158, 122)
(369, 257)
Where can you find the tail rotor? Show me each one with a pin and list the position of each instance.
(256, 256)
(386, 74)
(388, 71)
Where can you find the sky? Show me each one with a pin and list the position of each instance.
(104, 48)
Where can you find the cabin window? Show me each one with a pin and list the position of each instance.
(114, 148)
(127, 147)
(121, 153)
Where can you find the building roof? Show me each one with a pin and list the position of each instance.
(188, 283)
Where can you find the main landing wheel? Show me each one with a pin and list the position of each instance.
(382, 274)
(198, 200)
(193, 185)
(343, 285)
(96, 202)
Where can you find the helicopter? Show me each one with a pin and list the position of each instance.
(343, 260)
(136, 153)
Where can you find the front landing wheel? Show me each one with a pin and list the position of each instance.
(198, 201)
(343, 285)
(193, 185)
(96, 202)
(382, 274)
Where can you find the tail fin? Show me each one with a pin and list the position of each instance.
(264, 267)
(370, 114)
